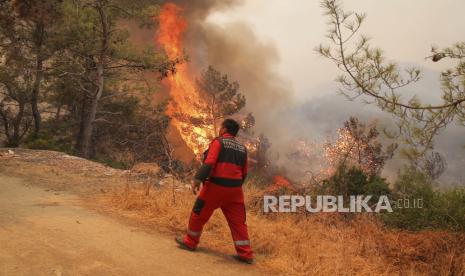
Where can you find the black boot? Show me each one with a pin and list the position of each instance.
(243, 260)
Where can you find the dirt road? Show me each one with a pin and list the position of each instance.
(45, 232)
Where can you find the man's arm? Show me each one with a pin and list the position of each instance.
(204, 171)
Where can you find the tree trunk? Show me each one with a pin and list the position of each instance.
(87, 128)
(34, 99)
(38, 79)
(6, 123)
(57, 113)
(15, 139)
(82, 117)
(87, 124)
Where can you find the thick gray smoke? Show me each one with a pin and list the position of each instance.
(235, 50)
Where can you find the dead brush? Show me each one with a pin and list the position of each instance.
(147, 173)
(310, 244)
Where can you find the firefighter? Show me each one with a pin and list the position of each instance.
(222, 173)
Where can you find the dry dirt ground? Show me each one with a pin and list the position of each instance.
(47, 227)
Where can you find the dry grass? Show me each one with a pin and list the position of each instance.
(285, 244)
(322, 244)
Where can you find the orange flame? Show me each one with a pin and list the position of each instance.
(280, 182)
(181, 86)
(170, 31)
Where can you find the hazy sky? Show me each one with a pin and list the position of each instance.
(405, 29)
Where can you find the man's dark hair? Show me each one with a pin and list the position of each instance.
(231, 126)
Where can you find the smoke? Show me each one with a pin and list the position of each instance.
(198, 10)
(235, 50)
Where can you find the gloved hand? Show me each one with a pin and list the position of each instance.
(195, 185)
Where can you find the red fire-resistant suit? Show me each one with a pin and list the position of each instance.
(226, 163)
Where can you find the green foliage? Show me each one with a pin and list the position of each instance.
(67, 54)
(353, 181)
(128, 131)
(416, 204)
(136, 133)
(377, 186)
(367, 72)
(440, 209)
(224, 94)
(54, 135)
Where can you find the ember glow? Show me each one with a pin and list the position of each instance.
(316, 154)
(347, 149)
(342, 148)
(182, 88)
(280, 182)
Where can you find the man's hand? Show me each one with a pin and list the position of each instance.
(195, 185)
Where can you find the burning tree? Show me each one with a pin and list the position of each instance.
(185, 98)
(309, 162)
(248, 122)
(262, 147)
(196, 107)
(357, 145)
(218, 99)
(222, 96)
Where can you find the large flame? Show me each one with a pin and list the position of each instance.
(182, 88)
